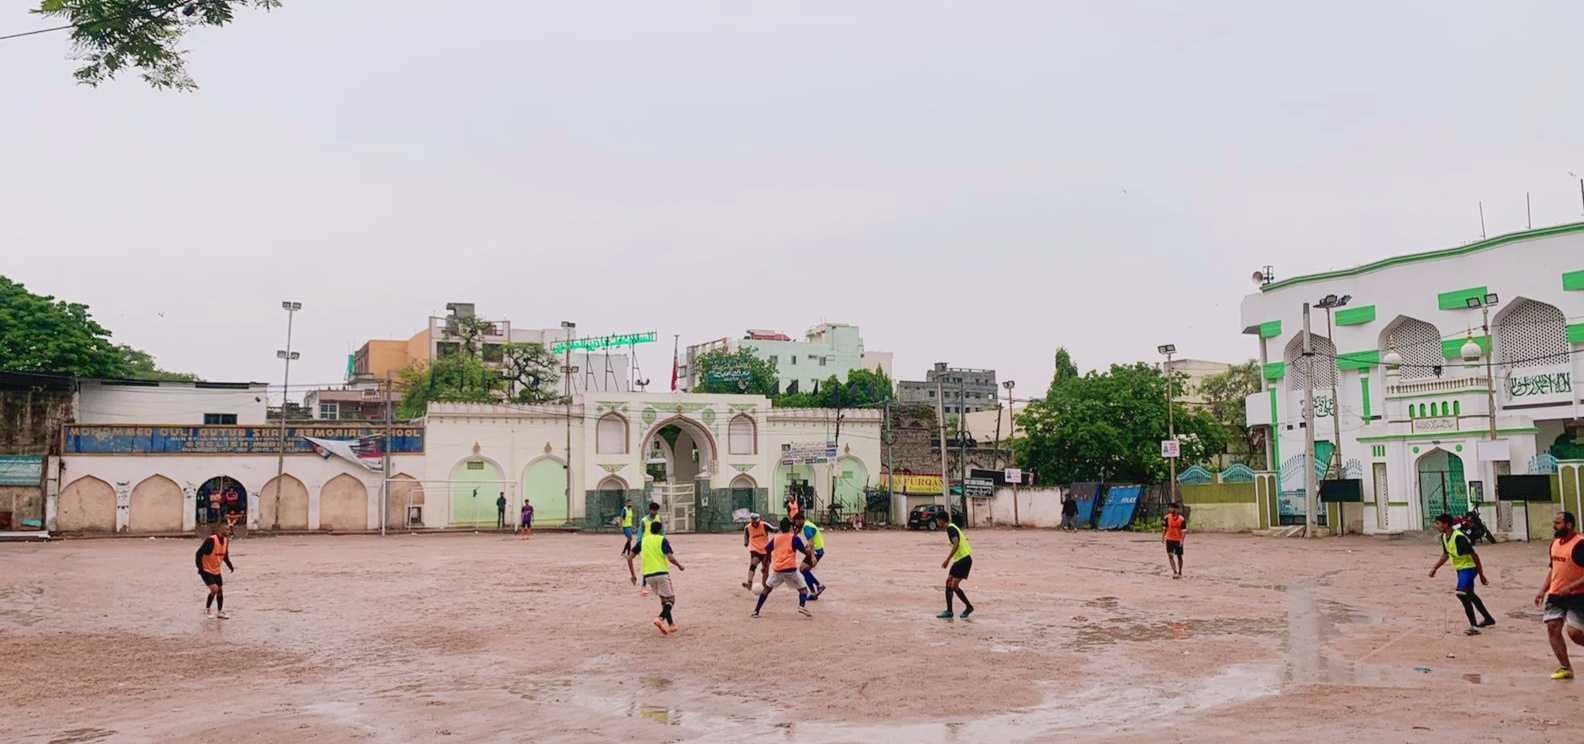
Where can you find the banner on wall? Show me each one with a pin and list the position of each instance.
(921, 485)
(116, 439)
(1550, 383)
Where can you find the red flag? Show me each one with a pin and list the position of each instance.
(673, 365)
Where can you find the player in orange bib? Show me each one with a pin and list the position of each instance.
(1562, 594)
(756, 538)
(1172, 535)
(215, 550)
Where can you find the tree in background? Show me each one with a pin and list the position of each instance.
(863, 389)
(141, 366)
(110, 35)
(39, 333)
(1225, 395)
(454, 378)
(533, 373)
(1108, 426)
(740, 371)
(1065, 369)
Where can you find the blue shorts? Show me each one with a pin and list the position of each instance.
(628, 532)
(1466, 579)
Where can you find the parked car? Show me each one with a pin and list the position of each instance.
(925, 516)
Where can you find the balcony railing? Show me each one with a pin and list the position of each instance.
(1438, 386)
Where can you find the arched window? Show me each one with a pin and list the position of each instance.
(740, 435)
(1419, 345)
(1531, 334)
(1446, 410)
(1323, 361)
(610, 436)
(1457, 408)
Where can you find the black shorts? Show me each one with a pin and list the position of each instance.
(210, 579)
(1173, 547)
(962, 568)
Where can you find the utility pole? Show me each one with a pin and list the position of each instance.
(386, 450)
(1309, 441)
(889, 440)
(1011, 455)
(1482, 220)
(836, 460)
(962, 446)
(288, 355)
(940, 416)
(566, 372)
(1171, 421)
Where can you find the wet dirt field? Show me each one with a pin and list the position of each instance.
(482, 638)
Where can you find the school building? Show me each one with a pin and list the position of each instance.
(1405, 371)
(709, 460)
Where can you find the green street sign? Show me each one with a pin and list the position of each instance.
(601, 343)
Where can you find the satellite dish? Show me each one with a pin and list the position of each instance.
(1258, 278)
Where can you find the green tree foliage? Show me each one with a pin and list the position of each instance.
(41, 334)
(1065, 369)
(1225, 394)
(455, 378)
(528, 374)
(863, 389)
(533, 373)
(111, 35)
(1108, 426)
(737, 371)
(141, 366)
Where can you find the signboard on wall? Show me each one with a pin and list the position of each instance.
(807, 453)
(1014, 475)
(113, 439)
(1171, 449)
(1435, 425)
(1552, 383)
(979, 488)
(913, 484)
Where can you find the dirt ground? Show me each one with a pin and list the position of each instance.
(483, 638)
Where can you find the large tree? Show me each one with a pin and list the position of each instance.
(737, 371)
(1108, 426)
(39, 333)
(532, 371)
(454, 378)
(1225, 395)
(111, 35)
(862, 389)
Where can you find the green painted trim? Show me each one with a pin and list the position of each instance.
(1364, 384)
(1573, 281)
(1431, 395)
(1270, 329)
(1444, 435)
(1275, 371)
(1452, 348)
(1396, 503)
(1188, 497)
(1355, 315)
(1576, 333)
(1358, 359)
(1499, 240)
(1458, 299)
(1275, 445)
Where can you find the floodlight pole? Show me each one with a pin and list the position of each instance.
(1310, 485)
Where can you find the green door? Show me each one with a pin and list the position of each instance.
(475, 484)
(544, 485)
(1443, 488)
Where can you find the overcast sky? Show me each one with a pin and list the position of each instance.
(970, 182)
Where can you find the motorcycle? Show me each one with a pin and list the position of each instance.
(1472, 525)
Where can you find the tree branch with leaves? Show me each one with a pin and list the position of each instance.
(112, 35)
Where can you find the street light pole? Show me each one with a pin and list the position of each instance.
(566, 373)
(1171, 420)
(288, 355)
(1011, 460)
(1310, 486)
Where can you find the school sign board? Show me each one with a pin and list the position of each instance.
(114, 439)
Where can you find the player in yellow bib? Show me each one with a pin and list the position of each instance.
(959, 562)
(655, 553)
